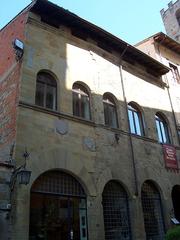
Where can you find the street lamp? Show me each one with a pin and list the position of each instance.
(18, 46)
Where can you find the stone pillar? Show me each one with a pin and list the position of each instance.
(95, 218)
(137, 219)
(20, 213)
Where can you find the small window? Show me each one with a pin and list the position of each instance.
(162, 129)
(175, 73)
(110, 113)
(46, 91)
(135, 120)
(81, 102)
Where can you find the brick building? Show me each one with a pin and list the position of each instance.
(99, 121)
(171, 19)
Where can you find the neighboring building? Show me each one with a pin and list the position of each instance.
(95, 115)
(167, 51)
(171, 19)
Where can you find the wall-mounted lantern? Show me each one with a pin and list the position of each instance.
(23, 176)
(18, 45)
(20, 175)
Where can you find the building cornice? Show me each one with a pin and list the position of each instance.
(58, 16)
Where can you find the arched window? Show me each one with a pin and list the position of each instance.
(152, 211)
(57, 208)
(81, 101)
(135, 120)
(110, 113)
(46, 91)
(162, 129)
(116, 212)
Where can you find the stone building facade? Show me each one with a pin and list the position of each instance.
(96, 118)
(171, 19)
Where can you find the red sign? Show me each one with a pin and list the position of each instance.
(170, 156)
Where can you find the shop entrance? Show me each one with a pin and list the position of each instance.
(58, 208)
(176, 201)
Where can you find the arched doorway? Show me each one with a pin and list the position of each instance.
(152, 210)
(176, 201)
(116, 212)
(57, 208)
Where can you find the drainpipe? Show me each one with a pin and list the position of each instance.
(169, 95)
(130, 136)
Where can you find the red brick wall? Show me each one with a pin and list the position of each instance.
(9, 83)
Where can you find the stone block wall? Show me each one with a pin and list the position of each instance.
(170, 21)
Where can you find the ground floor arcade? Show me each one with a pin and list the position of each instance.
(60, 208)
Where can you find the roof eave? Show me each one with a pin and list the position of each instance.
(64, 16)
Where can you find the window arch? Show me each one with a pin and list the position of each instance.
(162, 129)
(81, 101)
(46, 91)
(116, 212)
(152, 211)
(135, 120)
(57, 207)
(110, 112)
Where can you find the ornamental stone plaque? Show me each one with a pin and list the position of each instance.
(61, 126)
(89, 143)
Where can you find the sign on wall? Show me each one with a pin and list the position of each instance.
(170, 156)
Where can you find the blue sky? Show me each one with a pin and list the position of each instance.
(130, 20)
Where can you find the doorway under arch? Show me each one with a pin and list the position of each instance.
(152, 211)
(57, 208)
(176, 201)
(116, 212)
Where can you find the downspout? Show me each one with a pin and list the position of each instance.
(169, 95)
(130, 136)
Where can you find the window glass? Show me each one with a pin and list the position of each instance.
(131, 121)
(50, 97)
(162, 129)
(163, 132)
(137, 123)
(85, 107)
(75, 104)
(46, 89)
(40, 89)
(81, 102)
(159, 131)
(135, 120)
(110, 113)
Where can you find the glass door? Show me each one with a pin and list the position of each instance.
(57, 217)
